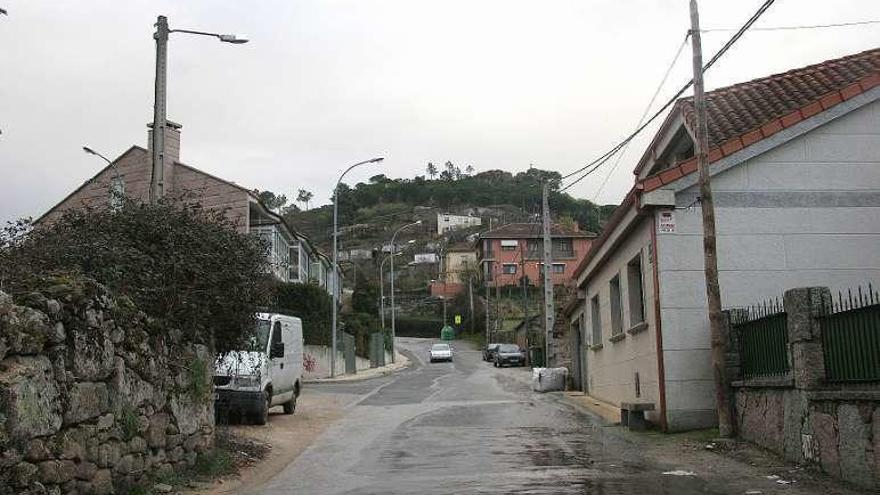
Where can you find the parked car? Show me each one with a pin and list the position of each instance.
(509, 354)
(268, 373)
(440, 352)
(489, 352)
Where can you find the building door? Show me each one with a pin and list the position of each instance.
(576, 352)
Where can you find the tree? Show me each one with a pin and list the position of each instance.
(188, 268)
(469, 170)
(308, 302)
(304, 197)
(432, 170)
(272, 201)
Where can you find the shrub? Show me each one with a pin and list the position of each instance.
(185, 266)
(311, 304)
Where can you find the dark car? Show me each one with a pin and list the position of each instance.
(509, 354)
(489, 352)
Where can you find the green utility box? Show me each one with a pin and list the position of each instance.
(447, 333)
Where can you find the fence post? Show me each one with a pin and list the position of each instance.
(803, 306)
(731, 337)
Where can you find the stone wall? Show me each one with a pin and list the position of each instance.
(801, 417)
(90, 400)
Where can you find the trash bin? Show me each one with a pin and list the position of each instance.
(536, 356)
(447, 333)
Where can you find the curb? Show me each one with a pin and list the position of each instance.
(597, 408)
(402, 363)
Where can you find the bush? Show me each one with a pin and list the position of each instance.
(418, 327)
(311, 304)
(361, 326)
(186, 267)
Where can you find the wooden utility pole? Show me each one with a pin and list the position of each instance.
(548, 277)
(710, 258)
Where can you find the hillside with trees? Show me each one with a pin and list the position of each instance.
(383, 202)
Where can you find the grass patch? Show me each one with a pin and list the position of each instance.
(214, 463)
(128, 422)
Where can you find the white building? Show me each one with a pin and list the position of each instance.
(795, 164)
(447, 222)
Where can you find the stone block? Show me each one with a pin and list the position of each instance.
(137, 444)
(93, 357)
(106, 421)
(86, 470)
(32, 404)
(86, 400)
(24, 473)
(56, 471)
(854, 445)
(825, 433)
(36, 450)
(107, 454)
(25, 330)
(101, 484)
(156, 431)
(68, 445)
(795, 408)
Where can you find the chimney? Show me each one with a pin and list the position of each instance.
(172, 150)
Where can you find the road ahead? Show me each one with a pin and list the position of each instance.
(466, 427)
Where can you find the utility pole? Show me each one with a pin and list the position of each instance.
(548, 279)
(157, 180)
(710, 259)
(525, 289)
(488, 294)
(471, 299)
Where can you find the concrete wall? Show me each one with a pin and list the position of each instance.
(805, 213)
(611, 365)
(320, 355)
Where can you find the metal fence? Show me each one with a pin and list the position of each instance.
(851, 336)
(763, 339)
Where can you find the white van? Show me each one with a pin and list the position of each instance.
(268, 374)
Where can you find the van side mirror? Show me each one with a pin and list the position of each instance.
(277, 350)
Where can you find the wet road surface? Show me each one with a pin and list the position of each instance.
(466, 427)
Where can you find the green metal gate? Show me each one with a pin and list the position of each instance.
(851, 337)
(763, 340)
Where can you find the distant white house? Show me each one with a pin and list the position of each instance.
(426, 258)
(447, 222)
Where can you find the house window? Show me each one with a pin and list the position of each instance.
(596, 320)
(635, 289)
(490, 271)
(509, 245)
(508, 268)
(563, 247)
(488, 247)
(616, 323)
(558, 268)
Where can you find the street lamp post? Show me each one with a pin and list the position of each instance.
(382, 286)
(336, 277)
(117, 186)
(157, 180)
(393, 312)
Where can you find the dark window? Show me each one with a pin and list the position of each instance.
(616, 323)
(276, 333)
(508, 268)
(596, 318)
(635, 290)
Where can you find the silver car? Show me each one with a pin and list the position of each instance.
(440, 352)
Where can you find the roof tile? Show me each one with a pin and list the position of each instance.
(731, 146)
(850, 91)
(791, 119)
(830, 100)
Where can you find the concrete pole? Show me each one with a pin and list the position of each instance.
(382, 295)
(549, 315)
(393, 309)
(333, 322)
(710, 259)
(157, 179)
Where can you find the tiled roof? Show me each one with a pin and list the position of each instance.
(737, 109)
(532, 230)
(743, 114)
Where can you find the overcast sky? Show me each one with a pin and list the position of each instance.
(492, 84)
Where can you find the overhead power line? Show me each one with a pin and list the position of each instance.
(595, 164)
(644, 114)
(794, 28)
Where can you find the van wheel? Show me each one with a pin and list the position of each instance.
(262, 416)
(290, 406)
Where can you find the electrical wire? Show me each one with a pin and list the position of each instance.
(644, 114)
(793, 28)
(598, 162)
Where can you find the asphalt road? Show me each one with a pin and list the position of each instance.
(466, 427)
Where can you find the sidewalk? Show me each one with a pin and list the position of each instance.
(402, 362)
(583, 401)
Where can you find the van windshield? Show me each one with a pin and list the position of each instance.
(260, 339)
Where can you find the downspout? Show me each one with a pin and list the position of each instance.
(661, 371)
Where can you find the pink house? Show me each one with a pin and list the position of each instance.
(516, 251)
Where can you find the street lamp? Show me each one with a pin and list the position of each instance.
(117, 186)
(382, 285)
(336, 280)
(157, 181)
(393, 313)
